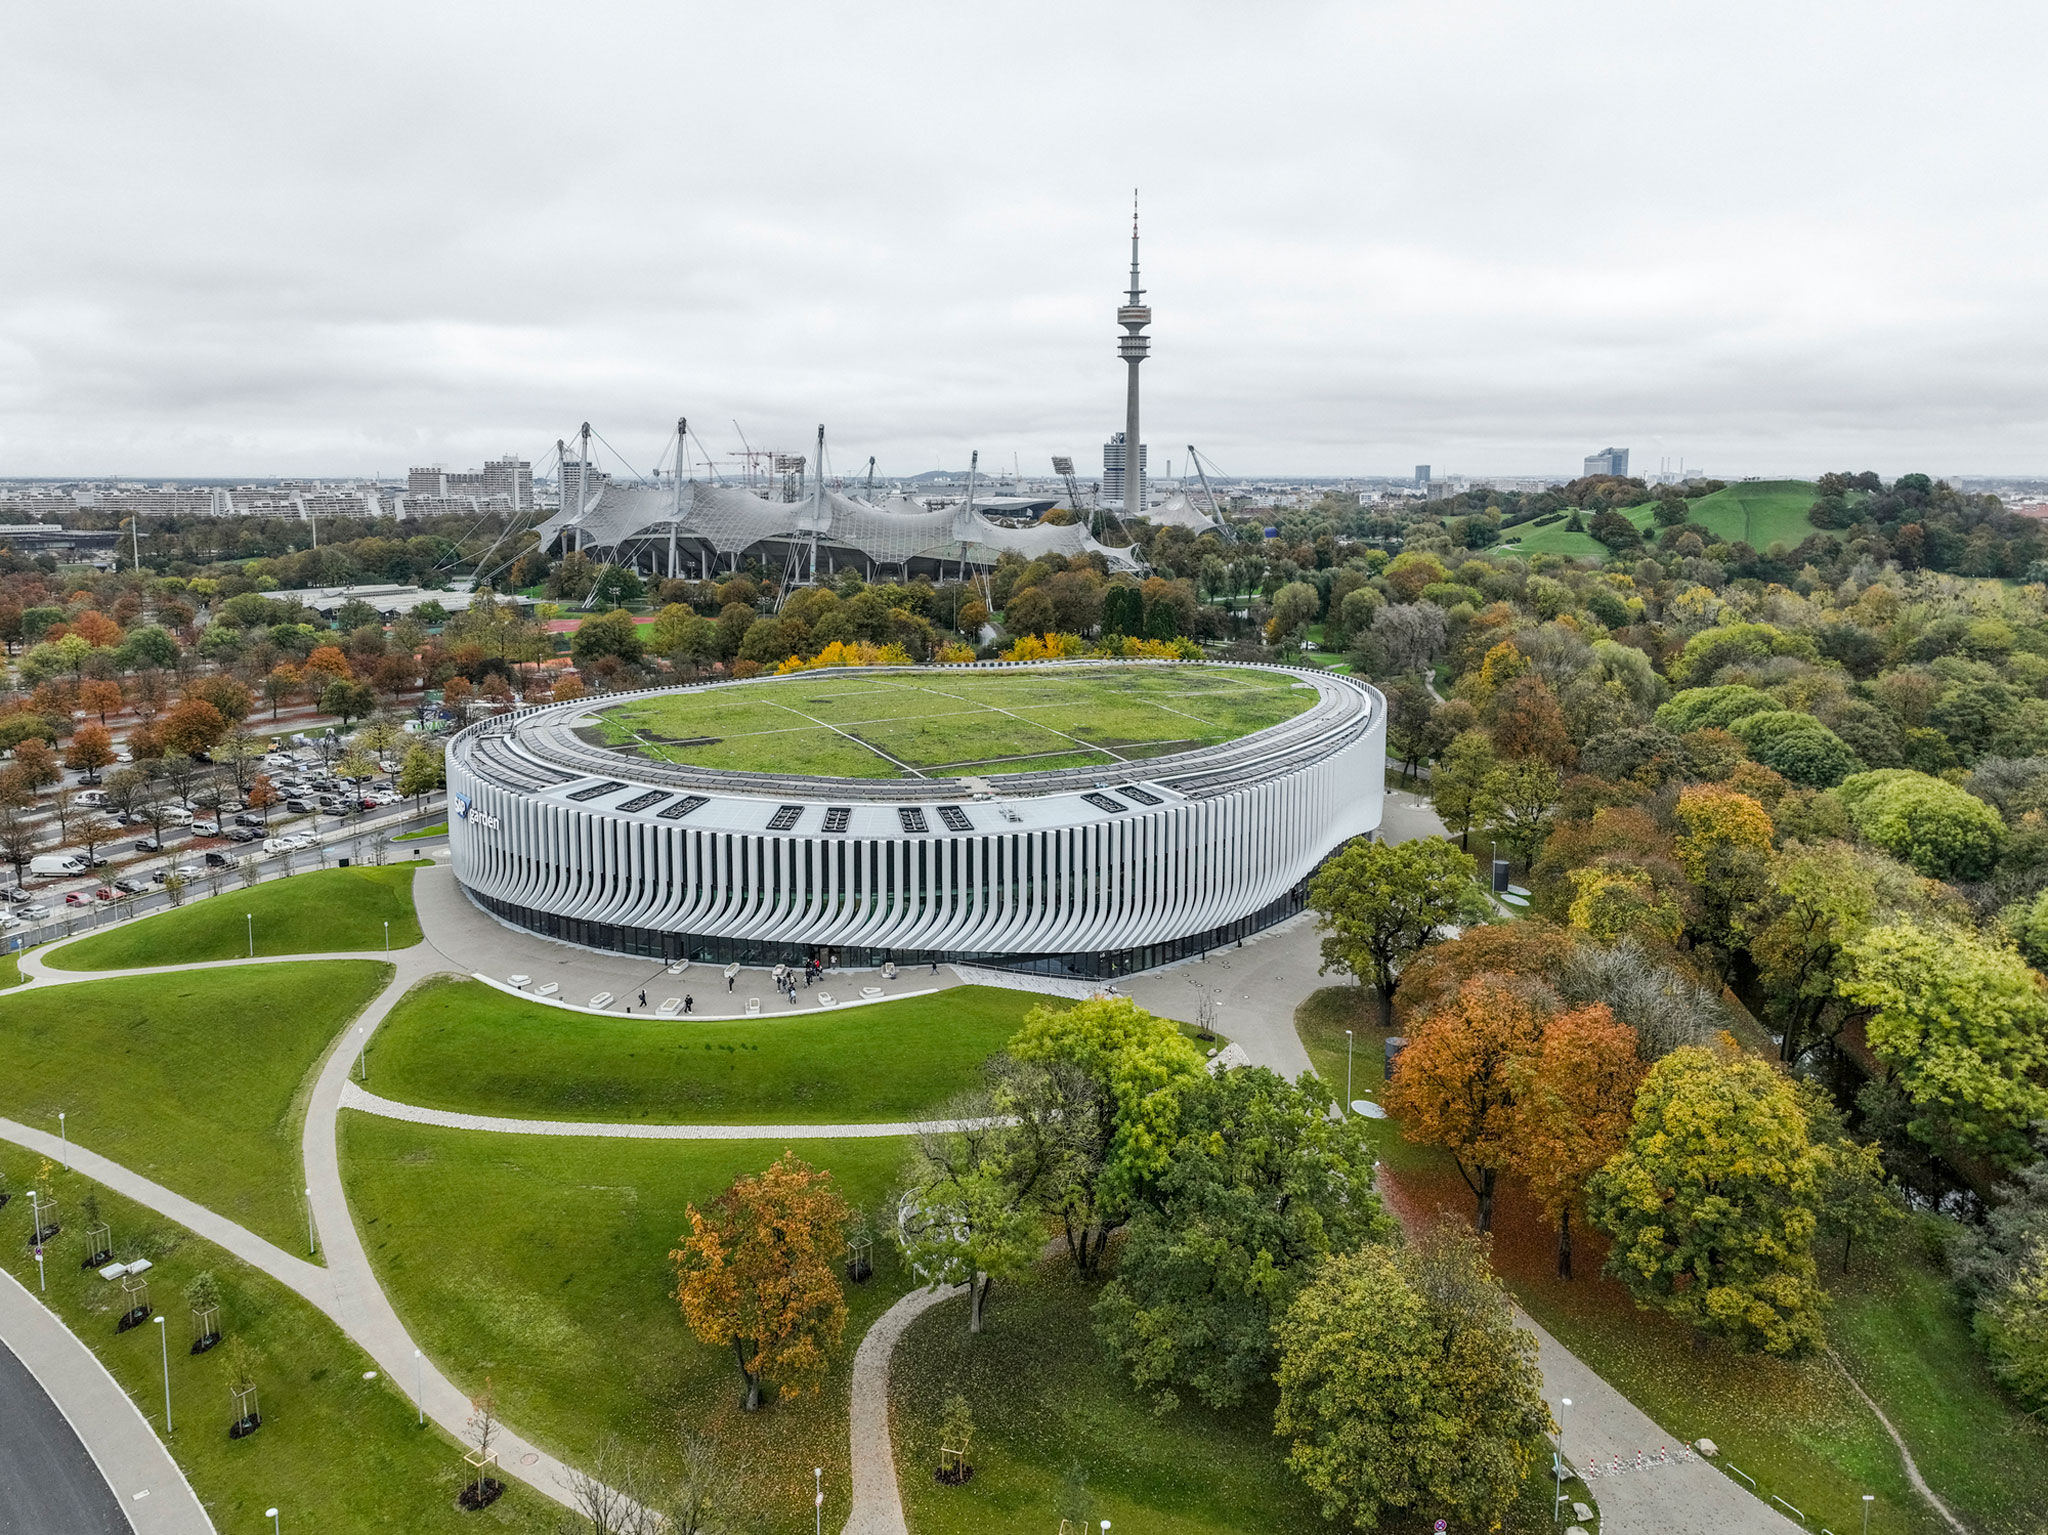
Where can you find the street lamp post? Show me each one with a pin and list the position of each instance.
(1347, 1073)
(252, 933)
(65, 1136)
(309, 1223)
(271, 1515)
(1557, 1461)
(164, 1338)
(362, 1062)
(35, 1216)
(419, 1386)
(1868, 1499)
(818, 1502)
(387, 935)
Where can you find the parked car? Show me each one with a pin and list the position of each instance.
(248, 820)
(242, 834)
(216, 859)
(104, 893)
(148, 845)
(78, 898)
(280, 844)
(300, 841)
(206, 828)
(16, 893)
(188, 871)
(35, 911)
(298, 807)
(129, 884)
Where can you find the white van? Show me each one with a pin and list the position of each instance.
(177, 815)
(54, 865)
(91, 799)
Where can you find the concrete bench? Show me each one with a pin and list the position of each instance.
(671, 1007)
(520, 981)
(547, 988)
(602, 999)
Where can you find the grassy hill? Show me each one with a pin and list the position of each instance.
(1756, 512)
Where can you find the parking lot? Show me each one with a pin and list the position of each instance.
(318, 819)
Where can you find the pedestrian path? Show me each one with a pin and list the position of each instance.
(144, 1482)
(354, 1096)
(877, 1502)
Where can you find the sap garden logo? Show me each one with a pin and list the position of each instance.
(465, 810)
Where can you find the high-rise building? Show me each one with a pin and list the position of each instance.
(1132, 347)
(1422, 474)
(1113, 462)
(507, 479)
(1608, 461)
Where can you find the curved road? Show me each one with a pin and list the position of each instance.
(47, 1481)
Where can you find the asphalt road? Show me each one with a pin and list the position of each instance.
(48, 1484)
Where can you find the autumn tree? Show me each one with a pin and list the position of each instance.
(1380, 903)
(191, 726)
(1574, 1095)
(1260, 1185)
(281, 684)
(1455, 1080)
(91, 749)
(759, 1272)
(262, 795)
(226, 694)
(100, 697)
(37, 763)
(1725, 850)
(1524, 802)
(1427, 1410)
(1712, 1202)
(1961, 1028)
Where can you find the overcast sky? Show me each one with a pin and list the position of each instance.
(251, 239)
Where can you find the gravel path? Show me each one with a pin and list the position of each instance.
(877, 1502)
(356, 1097)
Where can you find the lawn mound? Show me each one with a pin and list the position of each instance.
(329, 911)
(460, 1045)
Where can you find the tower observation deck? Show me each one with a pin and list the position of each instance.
(1132, 347)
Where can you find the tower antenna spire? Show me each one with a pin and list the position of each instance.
(1132, 347)
(1137, 293)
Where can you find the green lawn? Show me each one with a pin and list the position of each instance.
(947, 720)
(10, 970)
(194, 1079)
(1758, 512)
(461, 1045)
(438, 829)
(541, 1264)
(336, 1453)
(324, 912)
(1794, 1426)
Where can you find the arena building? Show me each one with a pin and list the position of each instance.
(1084, 818)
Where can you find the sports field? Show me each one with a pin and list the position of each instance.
(944, 722)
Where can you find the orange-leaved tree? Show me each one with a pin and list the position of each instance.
(1454, 1083)
(1575, 1095)
(98, 696)
(760, 1272)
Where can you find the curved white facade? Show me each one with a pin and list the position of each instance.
(1089, 871)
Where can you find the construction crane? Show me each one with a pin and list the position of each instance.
(1064, 468)
(1215, 511)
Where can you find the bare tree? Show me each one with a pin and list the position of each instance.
(182, 775)
(246, 868)
(610, 1494)
(1665, 1008)
(18, 839)
(92, 833)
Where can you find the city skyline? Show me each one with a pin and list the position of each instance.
(273, 243)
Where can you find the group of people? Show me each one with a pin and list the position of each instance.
(785, 976)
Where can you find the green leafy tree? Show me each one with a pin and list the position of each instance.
(1427, 1410)
(1814, 902)
(1857, 1202)
(1939, 829)
(2013, 1326)
(1798, 746)
(1524, 804)
(1260, 1185)
(1465, 787)
(348, 700)
(1096, 1091)
(608, 634)
(962, 1218)
(1380, 903)
(1711, 1203)
(1295, 607)
(1961, 1027)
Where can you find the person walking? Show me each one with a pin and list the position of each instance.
(728, 983)
(643, 996)
(689, 1003)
